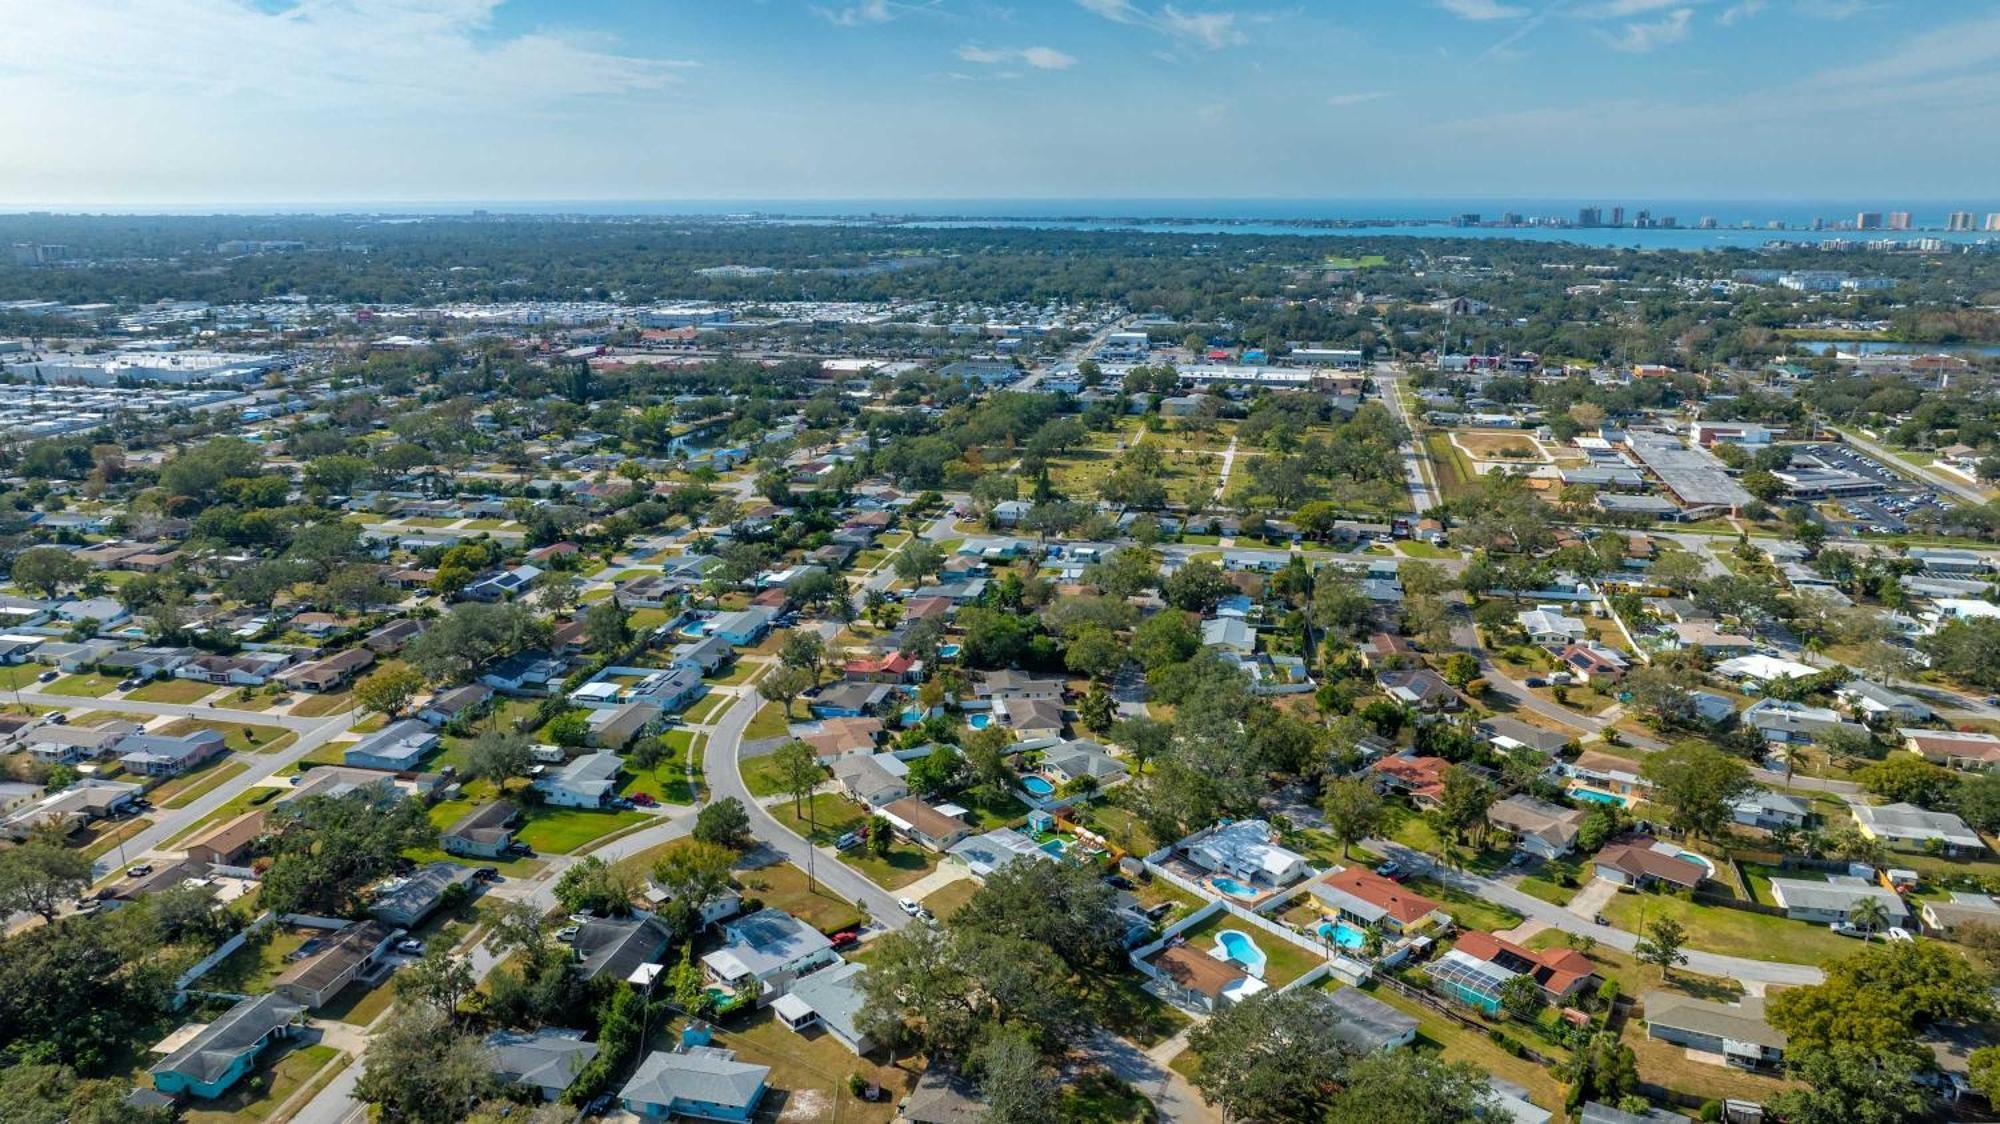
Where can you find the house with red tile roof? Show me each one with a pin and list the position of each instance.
(1366, 898)
(1560, 972)
(1420, 778)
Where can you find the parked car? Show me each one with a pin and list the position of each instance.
(410, 947)
(1896, 933)
(128, 684)
(487, 874)
(845, 939)
(1390, 870)
(568, 932)
(643, 799)
(909, 907)
(48, 677)
(1118, 882)
(847, 842)
(139, 870)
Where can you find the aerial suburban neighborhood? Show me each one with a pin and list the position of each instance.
(1521, 672)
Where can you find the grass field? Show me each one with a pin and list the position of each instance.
(1283, 960)
(318, 706)
(1458, 1043)
(1734, 932)
(770, 722)
(187, 788)
(266, 1090)
(1454, 471)
(706, 709)
(242, 737)
(785, 887)
(760, 775)
(89, 685)
(558, 831)
(172, 691)
(251, 969)
(1468, 911)
(951, 897)
(668, 781)
(826, 817)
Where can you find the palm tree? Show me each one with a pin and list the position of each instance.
(1870, 915)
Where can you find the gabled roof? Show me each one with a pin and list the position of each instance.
(1384, 897)
(207, 1056)
(549, 1058)
(704, 1074)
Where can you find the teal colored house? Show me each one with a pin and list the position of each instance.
(217, 1057)
(703, 1082)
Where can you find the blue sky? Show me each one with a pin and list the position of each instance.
(242, 101)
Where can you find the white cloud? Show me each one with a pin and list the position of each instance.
(1836, 9)
(1213, 30)
(858, 15)
(1639, 38)
(1482, 10)
(1625, 9)
(1041, 58)
(1737, 13)
(352, 56)
(1343, 100)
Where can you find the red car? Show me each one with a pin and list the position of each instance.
(643, 800)
(845, 939)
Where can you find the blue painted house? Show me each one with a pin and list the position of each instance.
(216, 1058)
(703, 1082)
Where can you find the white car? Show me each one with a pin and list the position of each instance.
(909, 907)
(1898, 933)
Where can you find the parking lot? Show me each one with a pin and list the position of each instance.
(1885, 510)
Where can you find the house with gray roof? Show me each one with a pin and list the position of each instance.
(1908, 827)
(705, 1082)
(170, 755)
(1073, 759)
(217, 1056)
(830, 999)
(547, 1059)
(397, 747)
(1770, 810)
(866, 780)
(983, 854)
(766, 952)
(1736, 1033)
(1365, 1024)
(589, 781)
(406, 901)
(1834, 898)
(615, 947)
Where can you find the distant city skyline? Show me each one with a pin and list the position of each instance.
(120, 103)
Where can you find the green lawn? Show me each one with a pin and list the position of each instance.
(1458, 1043)
(742, 671)
(834, 816)
(89, 685)
(189, 787)
(769, 722)
(1283, 960)
(262, 1093)
(242, 737)
(668, 782)
(316, 706)
(173, 691)
(1099, 1097)
(1734, 932)
(951, 897)
(760, 775)
(251, 969)
(706, 708)
(1470, 912)
(558, 831)
(16, 677)
(785, 887)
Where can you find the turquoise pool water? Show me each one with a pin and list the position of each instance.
(1596, 797)
(1238, 947)
(1037, 786)
(1342, 934)
(1232, 887)
(948, 651)
(1055, 847)
(979, 721)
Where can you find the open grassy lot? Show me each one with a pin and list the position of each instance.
(1283, 960)
(241, 737)
(558, 831)
(251, 969)
(103, 837)
(786, 887)
(189, 787)
(89, 685)
(769, 722)
(172, 691)
(1470, 912)
(951, 897)
(318, 706)
(1735, 932)
(706, 708)
(19, 677)
(1099, 1097)
(358, 1004)
(760, 775)
(667, 782)
(266, 1089)
(1458, 1043)
(742, 671)
(809, 1071)
(835, 816)
(1509, 447)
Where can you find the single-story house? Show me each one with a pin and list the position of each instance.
(830, 999)
(1002, 847)
(1031, 718)
(170, 755)
(589, 781)
(1636, 863)
(1370, 900)
(1736, 1033)
(744, 627)
(67, 745)
(447, 707)
(864, 778)
(1783, 722)
(1959, 749)
(615, 947)
(924, 825)
(1074, 759)
(1959, 909)
(1419, 687)
(1834, 898)
(1419, 778)
(847, 700)
(1880, 704)
(547, 1059)
(314, 979)
(392, 636)
(328, 674)
(614, 728)
(1596, 772)
(703, 1082)
(1247, 850)
(217, 1056)
(1560, 972)
(228, 843)
(1509, 734)
(1542, 829)
(1909, 827)
(1202, 981)
(765, 952)
(397, 747)
(484, 832)
(1365, 1024)
(406, 901)
(1771, 810)
(705, 655)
